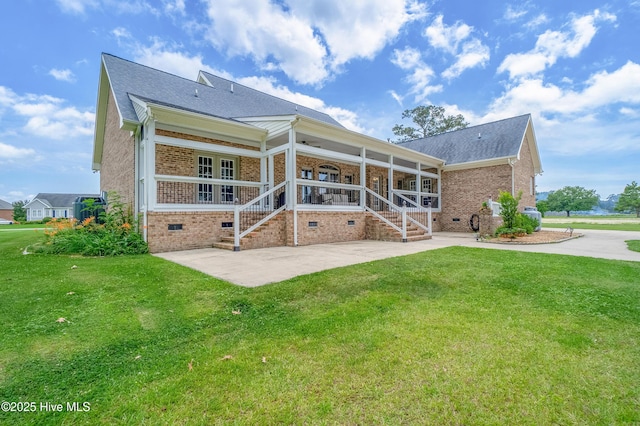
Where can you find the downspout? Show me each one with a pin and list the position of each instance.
(512, 163)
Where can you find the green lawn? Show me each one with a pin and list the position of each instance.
(451, 336)
(602, 226)
(633, 245)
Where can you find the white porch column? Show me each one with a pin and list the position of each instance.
(292, 202)
(150, 178)
(263, 166)
(390, 180)
(271, 177)
(419, 183)
(363, 177)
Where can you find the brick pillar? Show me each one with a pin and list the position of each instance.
(487, 222)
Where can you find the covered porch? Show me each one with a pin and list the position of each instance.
(290, 174)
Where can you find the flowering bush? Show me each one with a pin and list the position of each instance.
(112, 233)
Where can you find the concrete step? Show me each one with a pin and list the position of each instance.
(224, 245)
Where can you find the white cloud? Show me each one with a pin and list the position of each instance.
(307, 40)
(600, 90)
(630, 112)
(159, 56)
(407, 59)
(421, 74)
(347, 118)
(357, 28)
(47, 117)
(512, 14)
(7, 97)
(571, 121)
(456, 40)
(537, 21)
(121, 33)
(271, 36)
(446, 37)
(77, 7)
(174, 6)
(473, 54)
(552, 45)
(62, 75)
(10, 152)
(80, 7)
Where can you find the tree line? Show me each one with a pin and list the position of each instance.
(576, 198)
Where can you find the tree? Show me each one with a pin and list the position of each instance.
(430, 120)
(19, 212)
(542, 206)
(509, 208)
(572, 198)
(630, 199)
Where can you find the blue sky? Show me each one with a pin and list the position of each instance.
(574, 65)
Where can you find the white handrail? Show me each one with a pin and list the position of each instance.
(394, 208)
(419, 208)
(237, 235)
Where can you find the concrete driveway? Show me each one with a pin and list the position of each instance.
(253, 268)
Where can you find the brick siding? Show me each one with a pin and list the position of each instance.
(117, 172)
(199, 230)
(464, 191)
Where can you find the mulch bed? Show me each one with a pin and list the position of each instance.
(540, 237)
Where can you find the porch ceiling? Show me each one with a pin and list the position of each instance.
(339, 147)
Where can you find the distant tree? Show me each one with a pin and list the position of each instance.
(19, 212)
(572, 198)
(630, 199)
(542, 207)
(430, 120)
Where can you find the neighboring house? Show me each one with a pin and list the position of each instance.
(212, 162)
(52, 205)
(6, 210)
(481, 161)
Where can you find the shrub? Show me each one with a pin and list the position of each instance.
(528, 223)
(113, 233)
(504, 231)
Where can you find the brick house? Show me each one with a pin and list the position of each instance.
(481, 161)
(6, 210)
(214, 163)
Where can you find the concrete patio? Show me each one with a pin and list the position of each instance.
(253, 268)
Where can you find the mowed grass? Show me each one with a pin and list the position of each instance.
(451, 336)
(633, 245)
(601, 226)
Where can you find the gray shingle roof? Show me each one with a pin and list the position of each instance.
(4, 205)
(499, 139)
(127, 77)
(61, 200)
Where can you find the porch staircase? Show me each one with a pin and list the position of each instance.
(377, 229)
(269, 234)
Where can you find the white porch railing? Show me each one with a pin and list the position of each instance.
(314, 193)
(177, 192)
(247, 217)
(417, 214)
(387, 212)
(417, 199)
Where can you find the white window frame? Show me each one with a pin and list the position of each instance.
(205, 190)
(220, 167)
(306, 174)
(427, 185)
(227, 192)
